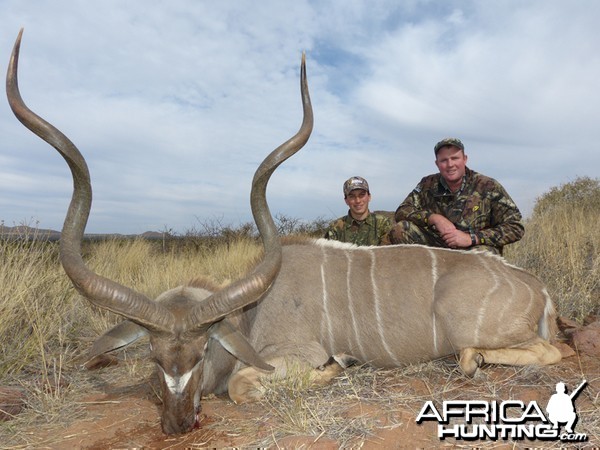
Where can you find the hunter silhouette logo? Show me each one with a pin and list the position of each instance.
(508, 419)
(561, 406)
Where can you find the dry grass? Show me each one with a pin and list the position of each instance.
(143, 266)
(562, 246)
(33, 320)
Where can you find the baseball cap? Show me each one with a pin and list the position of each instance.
(355, 183)
(448, 141)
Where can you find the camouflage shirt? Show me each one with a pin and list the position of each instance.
(373, 230)
(481, 206)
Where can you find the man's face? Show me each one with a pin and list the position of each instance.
(451, 162)
(358, 202)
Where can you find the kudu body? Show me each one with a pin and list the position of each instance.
(319, 304)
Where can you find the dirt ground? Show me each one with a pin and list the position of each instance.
(123, 412)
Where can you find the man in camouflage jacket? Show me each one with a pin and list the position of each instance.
(457, 207)
(360, 226)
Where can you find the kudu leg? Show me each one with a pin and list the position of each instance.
(540, 353)
(246, 385)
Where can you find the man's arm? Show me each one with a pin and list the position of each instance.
(384, 226)
(334, 230)
(413, 208)
(453, 237)
(506, 221)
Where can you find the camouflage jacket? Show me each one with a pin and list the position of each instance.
(481, 206)
(373, 230)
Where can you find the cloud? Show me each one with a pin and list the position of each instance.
(175, 104)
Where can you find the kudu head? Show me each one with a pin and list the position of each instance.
(181, 321)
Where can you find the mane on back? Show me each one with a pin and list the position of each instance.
(349, 246)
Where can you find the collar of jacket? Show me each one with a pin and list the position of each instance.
(351, 220)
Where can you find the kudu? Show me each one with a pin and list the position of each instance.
(317, 304)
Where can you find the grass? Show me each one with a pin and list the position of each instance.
(562, 246)
(45, 326)
(34, 321)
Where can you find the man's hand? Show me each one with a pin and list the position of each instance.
(457, 239)
(452, 237)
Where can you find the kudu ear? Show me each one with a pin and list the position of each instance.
(118, 337)
(235, 343)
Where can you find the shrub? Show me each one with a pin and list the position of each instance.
(561, 245)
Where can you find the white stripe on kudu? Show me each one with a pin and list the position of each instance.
(378, 309)
(434, 277)
(356, 328)
(326, 325)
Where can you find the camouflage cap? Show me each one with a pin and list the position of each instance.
(448, 141)
(355, 183)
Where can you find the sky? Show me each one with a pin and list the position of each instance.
(175, 104)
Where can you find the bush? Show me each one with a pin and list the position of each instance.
(561, 245)
(212, 233)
